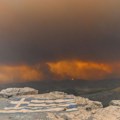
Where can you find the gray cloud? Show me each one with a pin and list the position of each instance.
(31, 33)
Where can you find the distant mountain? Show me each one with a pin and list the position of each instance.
(105, 96)
(83, 85)
(103, 90)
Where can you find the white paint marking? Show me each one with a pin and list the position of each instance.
(32, 111)
(18, 103)
(40, 106)
(51, 101)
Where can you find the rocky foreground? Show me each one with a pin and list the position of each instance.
(27, 104)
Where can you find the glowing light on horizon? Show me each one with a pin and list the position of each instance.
(76, 69)
(19, 73)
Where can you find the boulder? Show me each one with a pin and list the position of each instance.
(88, 104)
(10, 92)
(108, 113)
(115, 103)
(91, 105)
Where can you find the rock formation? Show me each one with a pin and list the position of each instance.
(82, 108)
(10, 92)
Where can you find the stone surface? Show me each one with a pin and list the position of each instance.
(115, 103)
(88, 104)
(108, 113)
(85, 109)
(25, 116)
(10, 92)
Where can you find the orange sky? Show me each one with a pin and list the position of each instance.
(76, 69)
(19, 73)
(59, 70)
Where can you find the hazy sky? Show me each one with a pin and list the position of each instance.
(51, 37)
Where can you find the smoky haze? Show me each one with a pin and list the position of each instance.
(51, 39)
(35, 31)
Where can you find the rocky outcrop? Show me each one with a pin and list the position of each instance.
(55, 95)
(10, 92)
(108, 113)
(115, 103)
(85, 109)
(88, 104)
(83, 103)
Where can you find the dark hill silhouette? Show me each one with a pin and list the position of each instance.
(50, 85)
(102, 90)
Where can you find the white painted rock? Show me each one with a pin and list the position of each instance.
(10, 92)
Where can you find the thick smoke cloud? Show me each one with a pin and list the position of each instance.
(39, 31)
(52, 40)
